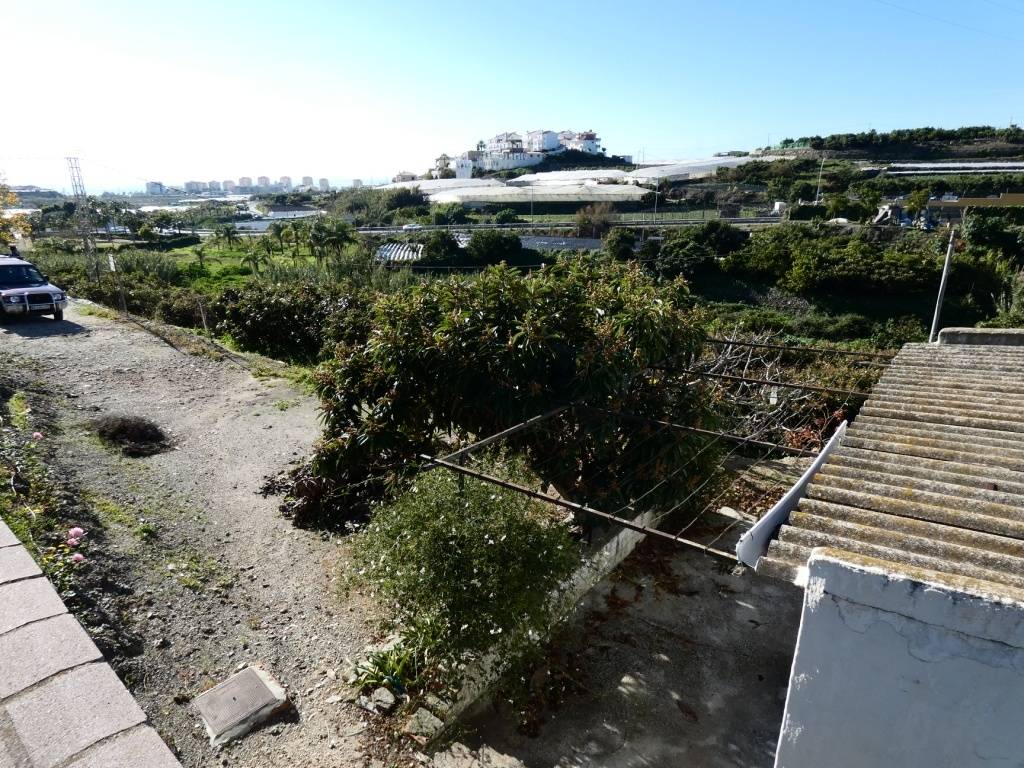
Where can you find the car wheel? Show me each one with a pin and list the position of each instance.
(58, 315)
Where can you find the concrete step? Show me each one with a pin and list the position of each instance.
(933, 439)
(896, 466)
(931, 416)
(910, 449)
(919, 510)
(946, 431)
(903, 492)
(987, 541)
(883, 475)
(811, 539)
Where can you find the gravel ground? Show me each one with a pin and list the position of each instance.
(226, 580)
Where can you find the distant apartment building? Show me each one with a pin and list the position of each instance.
(263, 182)
(213, 186)
(155, 188)
(245, 181)
(307, 181)
(195, 186)
(325, 185)
(505, 142)
(584, 141)
(228, 185)
(286, 183)
(541, 141)
(357, 183)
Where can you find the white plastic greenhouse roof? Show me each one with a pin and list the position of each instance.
(564, 177)
(545, 193)
(432, 185)
(691, 169)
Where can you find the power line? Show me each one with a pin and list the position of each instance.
(949, 22)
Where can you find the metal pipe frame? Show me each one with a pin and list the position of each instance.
(573, 506)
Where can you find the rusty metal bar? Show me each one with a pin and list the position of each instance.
(796, 348)
(573, 506)
(766, 382)
(506, 433)
(706, 432)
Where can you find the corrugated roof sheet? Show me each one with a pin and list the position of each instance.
(930, 474)
(396, 253)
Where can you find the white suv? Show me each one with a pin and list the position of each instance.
(24, 290)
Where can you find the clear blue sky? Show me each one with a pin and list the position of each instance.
(213, 90)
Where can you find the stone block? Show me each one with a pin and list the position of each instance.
(26, 601)
(7, 539)
(423, 726)
(233, 708)
(65, 714)
(138, 748)
(16, 563)
(36, 651)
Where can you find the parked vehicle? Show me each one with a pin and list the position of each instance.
(24, 290)
(412, 226)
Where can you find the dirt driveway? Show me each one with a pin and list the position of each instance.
(204, 574)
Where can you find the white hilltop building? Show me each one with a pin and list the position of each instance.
(509, 150)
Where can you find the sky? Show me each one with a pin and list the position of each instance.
(203, 89)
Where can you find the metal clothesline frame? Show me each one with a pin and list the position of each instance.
(455, 462)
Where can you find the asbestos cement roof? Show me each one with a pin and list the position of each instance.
(929, 475)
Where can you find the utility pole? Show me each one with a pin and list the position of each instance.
(83, 217)
(817, 193)
(942, 287)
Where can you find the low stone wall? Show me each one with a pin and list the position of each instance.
(61, 705)
(897, 666)
(481, 676)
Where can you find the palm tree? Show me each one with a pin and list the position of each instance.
(276, 230)
(228, 234)
(317, 237)
(338, 235)
(199, 252)
(300, 234)
(256, 255)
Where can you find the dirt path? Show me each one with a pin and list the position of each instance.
(225, 580)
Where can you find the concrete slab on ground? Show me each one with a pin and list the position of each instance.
(682, 662)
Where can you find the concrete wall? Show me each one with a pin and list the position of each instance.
(904, 667)
(1001, 337)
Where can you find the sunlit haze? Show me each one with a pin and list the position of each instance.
(199, 90)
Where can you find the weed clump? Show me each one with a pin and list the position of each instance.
(134, 435)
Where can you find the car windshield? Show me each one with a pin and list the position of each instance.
(20, 276)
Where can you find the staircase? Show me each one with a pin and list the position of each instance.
(930, 474)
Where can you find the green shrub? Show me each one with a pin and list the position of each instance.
(477, 560)
(288, 321)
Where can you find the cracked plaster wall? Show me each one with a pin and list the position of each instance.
(902, 669)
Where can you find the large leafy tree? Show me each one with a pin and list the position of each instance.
(475, 355)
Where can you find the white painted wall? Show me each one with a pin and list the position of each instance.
(904, 668)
